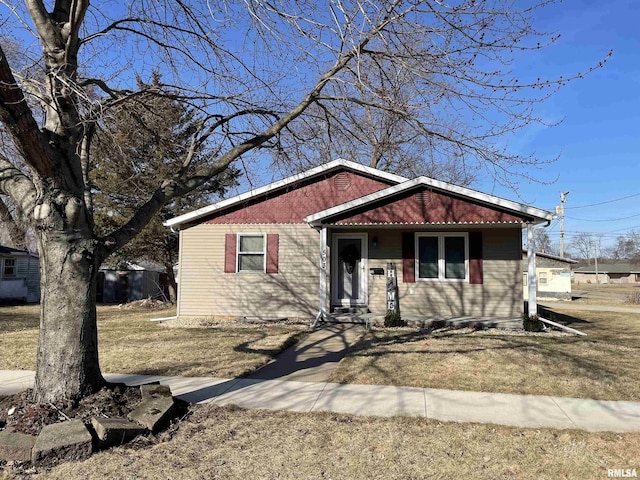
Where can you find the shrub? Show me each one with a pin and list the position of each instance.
(532, 323)
(393, 319)
(634, 298)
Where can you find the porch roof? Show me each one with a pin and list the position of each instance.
(438, 203)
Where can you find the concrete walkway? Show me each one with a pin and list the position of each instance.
(375, 400)
(315, 357)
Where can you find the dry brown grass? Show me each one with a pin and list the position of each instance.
(610, 288)
(603, 365)
(130, 343)
(227, 443)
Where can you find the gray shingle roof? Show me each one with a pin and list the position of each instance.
(610, 268)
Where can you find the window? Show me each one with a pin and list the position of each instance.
(442, 256)
(542, 278)
(251, 252)
(9, 267)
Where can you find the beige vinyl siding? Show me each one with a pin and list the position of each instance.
(500, 295)
(205, 290)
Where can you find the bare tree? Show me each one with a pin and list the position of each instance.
(627, 247)
(250, 69)
(543, 242)
(581, 246)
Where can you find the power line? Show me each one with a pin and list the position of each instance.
(603, 219)
(603, 203)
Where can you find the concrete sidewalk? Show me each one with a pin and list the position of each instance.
(375, 400)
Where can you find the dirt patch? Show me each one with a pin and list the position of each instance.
(236, 322)
(147, 304)
(20, 414)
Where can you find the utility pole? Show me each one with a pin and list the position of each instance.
(595, 256)
(563, 196)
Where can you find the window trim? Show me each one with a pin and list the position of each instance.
(543, 278)
(4, 268)
(263, 253)
(441, 256)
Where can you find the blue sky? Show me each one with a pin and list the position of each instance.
(599, 139)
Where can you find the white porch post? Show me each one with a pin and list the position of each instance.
(531, 271)
(322, 312)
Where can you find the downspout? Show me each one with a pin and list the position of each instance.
(532, 280)
(322, 313)
(179, 290)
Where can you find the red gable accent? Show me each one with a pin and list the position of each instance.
(293, 204)
(423, 206)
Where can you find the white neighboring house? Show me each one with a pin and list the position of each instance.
(553, 274)
(19, 276)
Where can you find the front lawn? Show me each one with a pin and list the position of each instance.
(603, 365)
(130, 343)
(230, 443)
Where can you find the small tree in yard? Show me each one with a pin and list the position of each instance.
(250, 72)
(140, 144)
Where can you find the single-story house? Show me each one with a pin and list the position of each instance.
(608, 273)
(20, 276)
(553, 274)
(328, 238)
(131, 282)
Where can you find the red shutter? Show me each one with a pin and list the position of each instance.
(408, 257)
(475, 258)
(272, 252)
(230, 253)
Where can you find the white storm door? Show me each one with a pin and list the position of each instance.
(349, 269)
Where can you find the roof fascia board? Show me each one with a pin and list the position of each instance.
(491, 200)
(553, 257)
(201, 212)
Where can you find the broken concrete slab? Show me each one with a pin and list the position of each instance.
(153, 413)
(62, 441)
(155, 391)
(115, 431)
(16, 446)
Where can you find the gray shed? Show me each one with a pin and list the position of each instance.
(134, 282)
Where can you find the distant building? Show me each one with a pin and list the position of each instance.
(608, 273)
(553, 274)
(19, 276)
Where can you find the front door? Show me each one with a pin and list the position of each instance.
(348, 269)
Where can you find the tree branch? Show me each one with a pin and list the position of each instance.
(17, 185)
(16, 115)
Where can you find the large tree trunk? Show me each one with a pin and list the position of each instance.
(67, 363)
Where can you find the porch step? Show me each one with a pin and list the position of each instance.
(349, 310)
